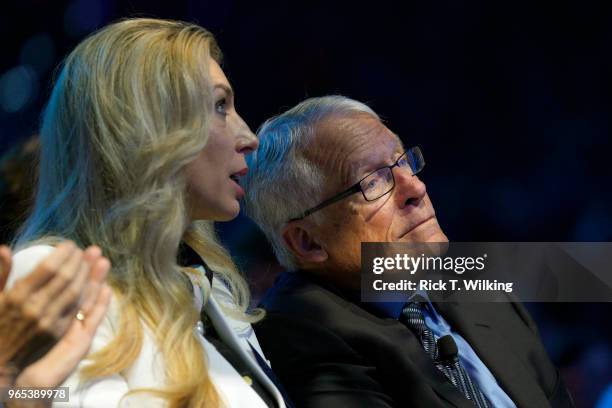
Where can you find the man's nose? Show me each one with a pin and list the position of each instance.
(409, 189)
(246, 141)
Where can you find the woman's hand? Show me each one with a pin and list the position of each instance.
(39, 334)
(52, 369)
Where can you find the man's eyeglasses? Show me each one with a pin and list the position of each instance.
(376, 184)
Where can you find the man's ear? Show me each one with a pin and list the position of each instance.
(304, 246)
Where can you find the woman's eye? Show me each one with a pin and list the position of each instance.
(220, 106)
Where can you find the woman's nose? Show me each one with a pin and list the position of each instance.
(247, 142)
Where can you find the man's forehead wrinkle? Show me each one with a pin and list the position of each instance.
(367, 143)
(339, 140)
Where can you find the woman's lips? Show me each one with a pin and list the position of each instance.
(239, 190)
(242, 172)
(235, 177)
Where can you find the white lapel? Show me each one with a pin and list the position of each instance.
(226, 327)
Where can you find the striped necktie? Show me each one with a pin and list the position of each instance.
(412, 316)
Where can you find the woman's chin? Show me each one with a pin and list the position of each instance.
(226, 216)
(221, 214)
(230, 212)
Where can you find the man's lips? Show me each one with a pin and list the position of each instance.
(418, 224)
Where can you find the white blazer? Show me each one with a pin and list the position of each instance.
(147, 370)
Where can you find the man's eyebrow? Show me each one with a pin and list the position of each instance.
(365, 169)
(227, 89)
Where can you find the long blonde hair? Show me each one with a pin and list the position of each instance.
(129, 110)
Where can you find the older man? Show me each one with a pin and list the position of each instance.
(329, 175)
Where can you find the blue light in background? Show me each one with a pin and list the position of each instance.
(82, 17)
(39, 53)
(18, 87)
(605, 400)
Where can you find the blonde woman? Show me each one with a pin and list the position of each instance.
(141, 150)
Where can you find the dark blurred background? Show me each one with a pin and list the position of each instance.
(511, 103)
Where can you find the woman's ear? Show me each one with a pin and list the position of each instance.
(305, 247)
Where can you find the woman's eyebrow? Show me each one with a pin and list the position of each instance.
(226, 88)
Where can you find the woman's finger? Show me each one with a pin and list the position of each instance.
(93, 319)
(94, 284)
(92, 253)
(92, 256)
(5, 265)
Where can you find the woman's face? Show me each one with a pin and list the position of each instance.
(214, 176)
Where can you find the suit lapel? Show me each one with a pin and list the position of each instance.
(478, 329)
(214, 312)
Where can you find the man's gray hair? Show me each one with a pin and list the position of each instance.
(282, 182)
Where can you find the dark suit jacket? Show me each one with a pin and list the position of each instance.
(330, 352)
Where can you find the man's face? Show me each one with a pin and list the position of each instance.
(349, 149)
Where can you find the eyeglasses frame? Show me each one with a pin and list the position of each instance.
(356, 188)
